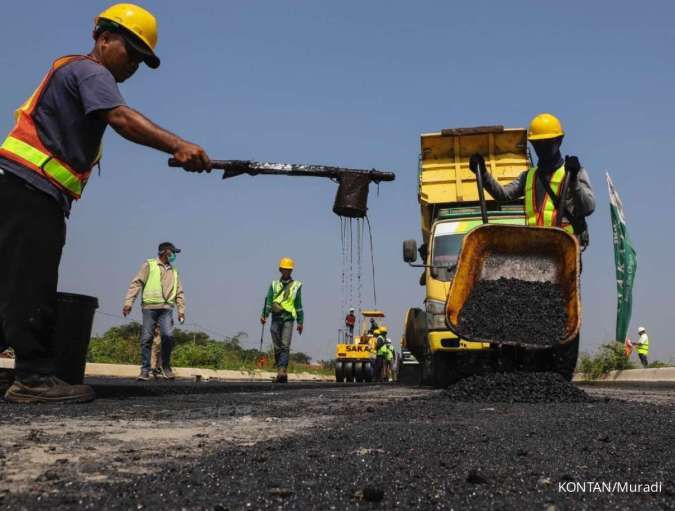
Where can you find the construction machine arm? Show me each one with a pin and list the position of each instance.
(232, 168)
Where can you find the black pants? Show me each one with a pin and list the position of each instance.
(32, 235)
(643, 359)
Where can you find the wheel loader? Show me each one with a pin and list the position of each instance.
(455, 247)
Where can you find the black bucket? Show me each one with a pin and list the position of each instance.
(74, 320)
(351, 199)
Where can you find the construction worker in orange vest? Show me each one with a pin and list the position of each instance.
(541, 184)
(45, 163)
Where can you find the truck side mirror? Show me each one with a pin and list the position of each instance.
(409, 251)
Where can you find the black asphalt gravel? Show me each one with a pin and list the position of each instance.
(517, 388)
(512, 310)
(385, 447)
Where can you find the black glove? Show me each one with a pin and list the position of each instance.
(477, 162)
(572, 166)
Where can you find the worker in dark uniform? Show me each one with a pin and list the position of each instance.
(45, 163)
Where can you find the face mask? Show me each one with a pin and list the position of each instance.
(172, 258)
(548, 153)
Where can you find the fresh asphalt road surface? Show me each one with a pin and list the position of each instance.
(239, 445)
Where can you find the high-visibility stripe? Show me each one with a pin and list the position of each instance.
(63, 176)
(544, 216)
(52, 167)
(25, 151)
(25, 147)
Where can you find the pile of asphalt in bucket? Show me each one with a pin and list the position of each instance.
(517, 387)
(512, 310)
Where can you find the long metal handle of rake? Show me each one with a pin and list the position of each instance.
(262, 333)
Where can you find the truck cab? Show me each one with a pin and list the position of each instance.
(449, 209)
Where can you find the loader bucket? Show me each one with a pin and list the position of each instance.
(521, 252)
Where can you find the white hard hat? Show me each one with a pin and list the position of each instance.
(642, 329)
(351, 309)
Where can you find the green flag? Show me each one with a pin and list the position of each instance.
(625, 260)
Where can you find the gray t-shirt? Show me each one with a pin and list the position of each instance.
(66, 121)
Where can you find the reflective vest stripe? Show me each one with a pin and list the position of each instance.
(24, 146)
(153, 293)
(51, 166)
(546, 215)
(286, 299)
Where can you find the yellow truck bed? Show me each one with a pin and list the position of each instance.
(444, 175)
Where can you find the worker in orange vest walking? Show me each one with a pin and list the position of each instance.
(45, 163)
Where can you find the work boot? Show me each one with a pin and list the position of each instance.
(282, 375)
(6, 378)
(144, 376)
(47, 389)
(156, 372)
(167, 373)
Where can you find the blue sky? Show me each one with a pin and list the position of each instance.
(354, 84)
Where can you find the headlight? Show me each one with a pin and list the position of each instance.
(435, 315)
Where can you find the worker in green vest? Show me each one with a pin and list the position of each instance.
(643, 346)
(541, 185)
(284, 302)
(381, 353)
(161, 293)
(389, 360)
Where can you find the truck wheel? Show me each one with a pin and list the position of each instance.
(565, 358)
(436, 370)
(358, 371)
(339, 372)
(368, 371)
(349, 371)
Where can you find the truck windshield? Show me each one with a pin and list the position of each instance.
(445, 252)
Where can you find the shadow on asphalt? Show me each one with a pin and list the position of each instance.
(120, 389)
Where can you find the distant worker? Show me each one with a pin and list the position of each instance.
(373, 326)
(380, 354)
(284, 302)
(350, 321)
(389, 360)
(45, 163)
(541, 185)
(643, 346)
(162, 291)
(156, 353)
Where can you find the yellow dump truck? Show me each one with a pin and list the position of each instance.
(450, 207)
(355, 357)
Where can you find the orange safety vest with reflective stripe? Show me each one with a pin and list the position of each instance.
(546, 215)
(23, 144)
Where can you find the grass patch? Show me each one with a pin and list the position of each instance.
(121, 345)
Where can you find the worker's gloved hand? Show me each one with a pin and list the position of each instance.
(192, 157)
(263, 320)
(126, 310)
(572, 166)
(476, 163)
(300, 328)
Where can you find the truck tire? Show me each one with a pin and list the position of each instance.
(368, 371)
(416, 332)
(565, 358)
(339, 372)
(358, 372)
(436, 370)
(349, 371)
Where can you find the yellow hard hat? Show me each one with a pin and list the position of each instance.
(545, 126)
(383, 329)
(140, 23)
(286, 263)
(377, 331)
